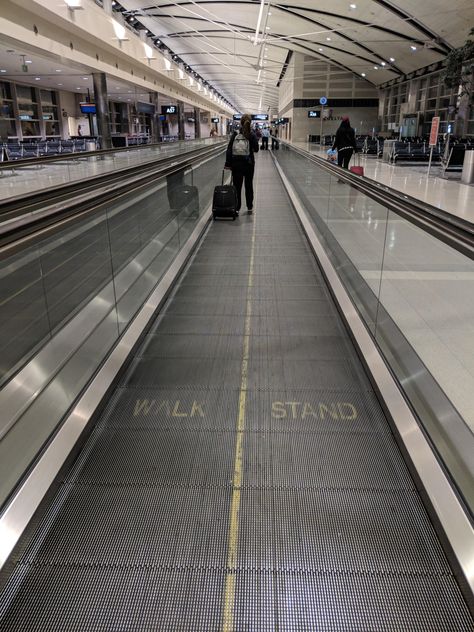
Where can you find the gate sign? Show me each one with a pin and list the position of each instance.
(323, 101)
(434, 131)
(169, 109)
(313, 114)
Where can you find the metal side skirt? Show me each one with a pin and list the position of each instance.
(449, 511)
(21, 508)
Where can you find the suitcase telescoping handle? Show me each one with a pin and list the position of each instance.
(223, 174)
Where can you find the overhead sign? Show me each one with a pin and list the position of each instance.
(314, 114)
(215, 119)
(323, 100)
(434, 131)
(237, 117)
(259, 117)
(169, 109)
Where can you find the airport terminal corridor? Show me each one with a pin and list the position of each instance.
(242, 476)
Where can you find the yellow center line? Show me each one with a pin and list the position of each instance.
(233, 539)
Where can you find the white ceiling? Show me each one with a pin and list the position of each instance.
(45, 73)
(217, 38)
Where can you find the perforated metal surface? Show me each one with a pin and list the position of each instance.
(331, 535)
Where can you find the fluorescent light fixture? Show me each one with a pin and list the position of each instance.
(167, 63)
(120, 31)
(259, 21)
(74, 5)
(58, 70)
(37, 78)
(413, 47)
(353, 6)
(28, 61)
(3, 70)
(60, 84)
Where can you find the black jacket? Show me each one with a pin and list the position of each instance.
(345, 137)
(253, 141)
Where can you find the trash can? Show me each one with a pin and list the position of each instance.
(468, 167)
(91, 145)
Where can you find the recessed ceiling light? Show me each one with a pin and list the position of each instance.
(321, 49)
(269, 13)
(268, 28)
(382, 63)
(78, 88)
(363, 74)
(60, 84)
(376, 67)
(413, 47)
(353, 6)
(85, 78)
(28, 61)
(37, 78)
(392, 58)
(3, 70)
(328, 39)
(58, 70)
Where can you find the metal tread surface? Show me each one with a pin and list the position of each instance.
(332, 535)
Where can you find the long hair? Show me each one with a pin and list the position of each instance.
(245, 125)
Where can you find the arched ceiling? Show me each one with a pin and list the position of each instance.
(220, 41)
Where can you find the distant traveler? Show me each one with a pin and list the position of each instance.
(265, 137)
(275, 143)
(240, 159)
(345, 143)
(79, 130)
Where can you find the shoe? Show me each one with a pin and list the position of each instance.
(250, 209)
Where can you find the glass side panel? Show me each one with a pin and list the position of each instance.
(416, 296)
(66, 302)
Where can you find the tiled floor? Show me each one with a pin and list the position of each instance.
(451, 195)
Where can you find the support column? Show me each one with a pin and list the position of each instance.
(102, 109)
(197, 123)
(180, 107)
(156, 123)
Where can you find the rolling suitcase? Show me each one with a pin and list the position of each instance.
(357, 169)
(224, 203)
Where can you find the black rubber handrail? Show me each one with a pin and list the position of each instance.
(17, 236)
(454, 231)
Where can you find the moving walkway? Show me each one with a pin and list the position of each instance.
(225, 451)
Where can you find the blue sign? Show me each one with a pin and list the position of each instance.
(323, 101)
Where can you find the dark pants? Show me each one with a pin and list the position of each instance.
(239, 174)
(274, 142)
(264, 142)
(344, 158)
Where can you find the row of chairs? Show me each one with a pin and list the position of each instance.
(21, 151)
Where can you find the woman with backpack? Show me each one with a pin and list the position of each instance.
(345, 143)
(240, 159)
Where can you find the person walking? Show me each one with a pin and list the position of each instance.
(265, 137)
(345, 143)
(275, 143)
(240, 159)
